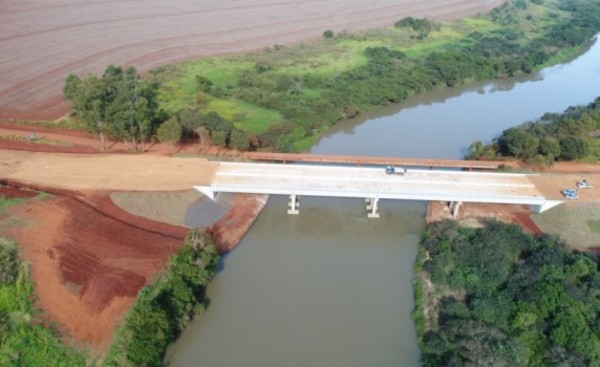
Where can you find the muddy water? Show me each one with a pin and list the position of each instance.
(332, 288)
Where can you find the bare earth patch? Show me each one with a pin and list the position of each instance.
(168, 207)
(41, 42)
(87, 267)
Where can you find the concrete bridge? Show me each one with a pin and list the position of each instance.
(373, 184)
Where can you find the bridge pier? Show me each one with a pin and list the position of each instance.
(372, 207)
(454, 206)
(294, 204)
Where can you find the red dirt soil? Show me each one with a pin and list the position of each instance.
(517, 214)
(87, 267)
(41, 42)
(90, 258)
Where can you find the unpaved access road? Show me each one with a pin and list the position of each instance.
(138, 172)
(118, 172)
(42, 41)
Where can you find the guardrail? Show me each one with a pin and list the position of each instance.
(362, 160)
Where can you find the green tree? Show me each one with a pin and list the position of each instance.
(170, 132)
(549, 148)
(518, 143)
(120, 104)
(328, 34)
(572, 148)
(476, 150)
(239, 140)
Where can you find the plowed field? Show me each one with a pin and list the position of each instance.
(42, 41)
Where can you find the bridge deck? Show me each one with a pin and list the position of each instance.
(373, 182)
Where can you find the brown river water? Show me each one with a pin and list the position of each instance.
(332, 288)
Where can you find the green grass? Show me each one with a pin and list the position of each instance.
(244, 116)
(6, 203)
(180, 89)
(578, 224)
(594, 225)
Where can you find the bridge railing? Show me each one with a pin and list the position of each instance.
(362, 160)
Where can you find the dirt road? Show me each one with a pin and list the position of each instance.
(42, 41)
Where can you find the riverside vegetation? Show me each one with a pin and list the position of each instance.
(572, 135)
(495, 296)
(284, 98)
(164, 308)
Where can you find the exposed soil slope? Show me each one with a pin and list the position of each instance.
(88, 267)
(41, 42)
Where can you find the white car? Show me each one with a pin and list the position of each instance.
(583, 184)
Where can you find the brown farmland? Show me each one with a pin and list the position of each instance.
(41, 42)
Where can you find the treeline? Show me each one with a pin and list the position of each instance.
(23, 340)
(501, 297)
(120, 104)
(164, 308)
(390, 76)
(123, 106)
(572, 135)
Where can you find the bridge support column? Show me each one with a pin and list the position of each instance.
(372, 207)
(294, 204)
(454, 206)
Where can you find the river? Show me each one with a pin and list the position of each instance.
(332, 288)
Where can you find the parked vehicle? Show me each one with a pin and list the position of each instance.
(391, 170)
(570, 194)
(583, 184)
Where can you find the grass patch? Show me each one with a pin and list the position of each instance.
(6, 203)
(594, 225)
(244, 116)
(578, 224)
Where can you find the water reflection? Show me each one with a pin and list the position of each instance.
(443, 123)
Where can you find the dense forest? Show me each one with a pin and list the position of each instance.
(283, 98)
(572, 135)
(496, 296)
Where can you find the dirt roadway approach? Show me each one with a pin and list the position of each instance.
(104, 171)
(157, 173)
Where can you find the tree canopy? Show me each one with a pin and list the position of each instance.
(572, 135)
(120, 104)
(506, 298)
